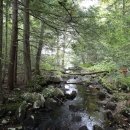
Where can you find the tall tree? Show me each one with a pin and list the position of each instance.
(37, 70)
(13, 47)
(6, 40)
(26, 43)
(1, 30)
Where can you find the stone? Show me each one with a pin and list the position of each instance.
(30, 123)
(37, 99)
(62, 126)
(56, 79)
(76, 118)
(45, 125)
(109, 116)
(83, 128)
(9, 109)
(126, 112)
(5, 120)
(71, 96)
(21, 111)
(110, 128)
(50, 103)
(101, 95)
(73, 108)
(18, 127)
(48, 92)
(111, 106)
(96, 127)
(58, 92)
(13, 120)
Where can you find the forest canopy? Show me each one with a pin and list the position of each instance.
(54, 34)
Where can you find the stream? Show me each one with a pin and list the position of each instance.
(86, 111)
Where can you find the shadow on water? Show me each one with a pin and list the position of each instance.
(85, 100)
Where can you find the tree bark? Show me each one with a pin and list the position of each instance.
(1, 32)
(13, 47)
(38, 56)
(63, 53)
(89, 73)
(26, 44)
(6, 41)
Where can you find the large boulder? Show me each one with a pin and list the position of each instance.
(21, 111)
(58, 92)
(71, 96)
(83, 128)
(96, 127)
(48, 92)
(9, 109)
(30, 123)
(101, 95)
(126, 112)
(56, 79)
(62, 126)
(50, 103)
(37, 99)
(111, 106)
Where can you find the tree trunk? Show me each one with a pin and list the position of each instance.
(13, 46)
(83, 57)
(38, 56)
(6, 41)
(63, 53)
(26, 44)
(57, 61)
(1, 32)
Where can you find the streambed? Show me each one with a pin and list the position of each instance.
(82, 110)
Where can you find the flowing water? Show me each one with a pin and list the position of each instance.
(89, 111)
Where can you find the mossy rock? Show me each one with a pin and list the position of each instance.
(58, 92)
(126, 112)
(101, 95)
(9, 109)
(36, 98)
(50, 103)
(48, 92)
(21, 111)
(111, 106)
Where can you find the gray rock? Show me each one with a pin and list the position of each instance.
(37, 99)
(50, 103)
(83, 128)
(76, 118)
(58, 92)
(111, 106)
(21, 111)
(96, 127)
(30, 123)
(110, 128)
(62, 126)
(56, 79)
(109, 116)
(101, 95)
(71, 96)
(48, 92)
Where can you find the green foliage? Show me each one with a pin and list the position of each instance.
(17, 89)
(47, 66)
(108, 65)
(125, 83)
(86, 65)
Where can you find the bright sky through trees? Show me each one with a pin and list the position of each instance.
(88, 3)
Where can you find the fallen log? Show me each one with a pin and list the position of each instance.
(88, 73)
